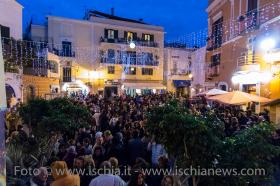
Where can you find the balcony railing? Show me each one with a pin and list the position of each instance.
(180, 72)
(248, 59)
(245, 23)
(129, 61)
(63, 53)
(138, 42)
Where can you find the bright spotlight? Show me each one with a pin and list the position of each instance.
(268, 44)
(132, 45)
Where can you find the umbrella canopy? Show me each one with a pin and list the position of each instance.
(212, 92)
(238, 98)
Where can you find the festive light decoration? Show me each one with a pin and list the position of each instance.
(20, 55)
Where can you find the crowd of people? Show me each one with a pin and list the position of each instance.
(233, 117)
(115, 149)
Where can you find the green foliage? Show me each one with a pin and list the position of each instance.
(199, 141)
(59, 115)
(250, 149)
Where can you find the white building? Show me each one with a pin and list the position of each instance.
(96, 52)
(178, 69)
(198, 70)
(11, 18)
(11, 26)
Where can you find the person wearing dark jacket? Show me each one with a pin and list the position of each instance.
(135, 148)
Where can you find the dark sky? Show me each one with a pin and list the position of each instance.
(178, 17)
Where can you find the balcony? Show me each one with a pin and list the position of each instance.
(138, 42)
(176, 72)
(248, 62)
(128, 61)
(63, 53)
(252, 20)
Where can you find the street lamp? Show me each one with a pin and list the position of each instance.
(132, 45)
(268, 44)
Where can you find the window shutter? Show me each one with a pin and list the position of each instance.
(125, 35)
(134, 36)
(5, 31)
(116, 34)
(106, 33)
(143, 36)
(152, 37)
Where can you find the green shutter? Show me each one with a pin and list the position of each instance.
(116, 34)
(134, 36)
(152, 38)
(106, 33)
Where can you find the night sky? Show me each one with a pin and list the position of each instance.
(178, 17)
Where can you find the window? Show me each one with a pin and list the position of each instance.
(252, 5)
(252, 14)
(175, 65)
(111, 70)
(129, 36)
(130, 70)
(30, 92)
(147, 59)
(111, 56)
(148, 37)
(217, 29)
(111, 34)
(66, 48)
(147, 71)
(5, 31)
(53, 66)
(215, 60)
(67, 74)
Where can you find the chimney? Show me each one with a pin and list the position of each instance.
(112, 11)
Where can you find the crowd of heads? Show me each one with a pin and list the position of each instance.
(116, 140)
(235, 118)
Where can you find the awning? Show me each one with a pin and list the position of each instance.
(182, 83)
(144, 86)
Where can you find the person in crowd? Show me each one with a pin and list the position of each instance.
(157, 151)
(40, 179)
(61, 175)
(98, 155)
(135, 148)
(107, 178)
(108, 143)
(87, 146)
(137, 178)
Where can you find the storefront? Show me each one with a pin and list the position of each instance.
(77, 87)
(142, 88)
(182, 87)
(112, 88)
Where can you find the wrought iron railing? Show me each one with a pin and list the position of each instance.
(138, 42)
(248, 59)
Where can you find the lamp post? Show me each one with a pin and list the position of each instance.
(3, 107)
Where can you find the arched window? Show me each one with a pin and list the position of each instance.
(30, 92)
(10, 93)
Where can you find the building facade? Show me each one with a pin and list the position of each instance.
(242, 46)
(178, 70)
(105, 53)
(11, 27)
(198, 71)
